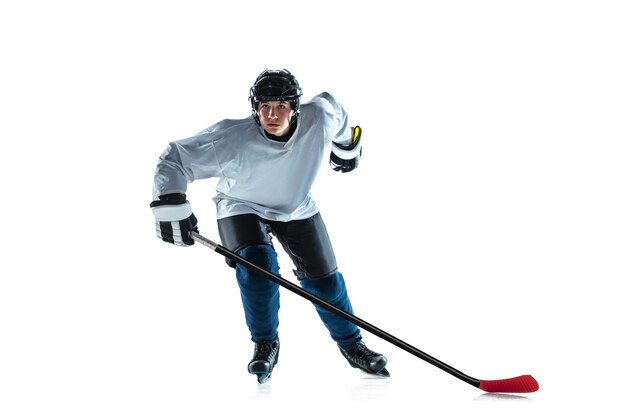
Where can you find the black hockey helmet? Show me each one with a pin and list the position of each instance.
(275, 85)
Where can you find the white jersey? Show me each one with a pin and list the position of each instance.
(257, 175)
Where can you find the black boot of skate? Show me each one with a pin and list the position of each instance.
(264, 359)
(366, 359)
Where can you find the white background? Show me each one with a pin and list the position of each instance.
(485, 225)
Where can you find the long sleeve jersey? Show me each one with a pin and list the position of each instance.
(257, 175)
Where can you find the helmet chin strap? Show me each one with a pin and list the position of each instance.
(255, 116)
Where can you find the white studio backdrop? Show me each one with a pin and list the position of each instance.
(484, 226)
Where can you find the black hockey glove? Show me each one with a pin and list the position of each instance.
(345, 158)
(174, 219)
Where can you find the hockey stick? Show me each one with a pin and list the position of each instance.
(518, 384)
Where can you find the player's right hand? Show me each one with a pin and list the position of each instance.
(174, 219)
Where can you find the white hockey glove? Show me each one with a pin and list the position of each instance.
(345, 158)
(174, 219)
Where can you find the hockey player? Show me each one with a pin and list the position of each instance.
(266, 165)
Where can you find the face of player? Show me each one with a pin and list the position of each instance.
(275, 116)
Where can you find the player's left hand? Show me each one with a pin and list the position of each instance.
(345, 158)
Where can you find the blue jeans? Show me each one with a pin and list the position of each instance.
(261, 299)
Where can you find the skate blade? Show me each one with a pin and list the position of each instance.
(263, 378)
(383, 373)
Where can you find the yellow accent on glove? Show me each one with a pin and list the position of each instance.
(356, 133)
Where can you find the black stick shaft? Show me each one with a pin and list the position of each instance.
(322, 303)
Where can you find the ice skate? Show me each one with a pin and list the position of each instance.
(264, 359)
(366, 360)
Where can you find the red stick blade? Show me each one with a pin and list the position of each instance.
(523, 383)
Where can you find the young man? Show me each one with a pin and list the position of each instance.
(266, 165)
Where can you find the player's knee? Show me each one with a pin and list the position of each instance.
(329, 287)
(263, 256)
